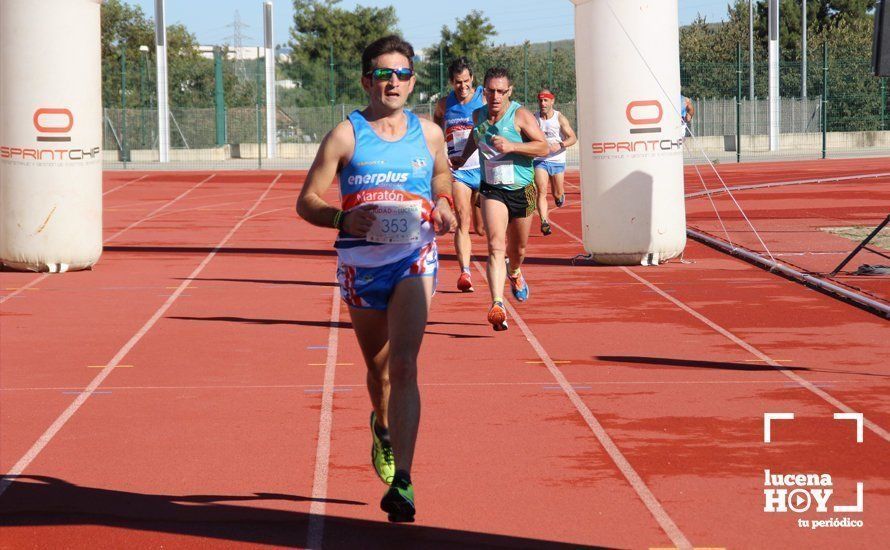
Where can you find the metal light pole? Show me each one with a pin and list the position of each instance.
(163, 105)
(751, 50)
(124, 153)
(803, 49)
(774, 106)
(271, 119)
(144, 52)
(753, 128)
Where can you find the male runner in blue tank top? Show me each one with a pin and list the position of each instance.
(394, 195)
(508, 139)
(454, 113)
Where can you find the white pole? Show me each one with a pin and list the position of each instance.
(163, 106)
(803, 49)
(271, 130)
(753, 128)
(774, 107)
(751, 50)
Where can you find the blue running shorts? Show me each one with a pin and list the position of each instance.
(372, 287)
(552, 168)
(471, 177)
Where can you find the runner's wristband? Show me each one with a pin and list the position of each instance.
(339, 218)
(447, 198)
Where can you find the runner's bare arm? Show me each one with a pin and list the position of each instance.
(443, 217)
(439, 113)
(568, 133)
(335, 150)
(535, 144)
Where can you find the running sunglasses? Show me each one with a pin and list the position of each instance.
(402, 73)
(493, 91)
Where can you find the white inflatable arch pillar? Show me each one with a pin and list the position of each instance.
(50, 135)
(627, 55)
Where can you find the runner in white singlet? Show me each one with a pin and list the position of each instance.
(550, 169)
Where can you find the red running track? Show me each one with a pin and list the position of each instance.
(202, 387)
(792, 221)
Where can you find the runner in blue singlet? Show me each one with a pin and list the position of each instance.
(454, 113)
(687, 111)
(394, 195)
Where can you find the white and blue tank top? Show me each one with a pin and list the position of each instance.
(459, 125)
(386, 172)
(553, 132)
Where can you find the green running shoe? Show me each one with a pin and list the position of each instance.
(381, 455)
(398, 502)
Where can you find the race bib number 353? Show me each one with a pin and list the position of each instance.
(396, 222)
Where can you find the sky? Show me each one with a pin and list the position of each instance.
(211, 21)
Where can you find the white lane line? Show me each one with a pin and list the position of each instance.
(215, 208)
(218, 207)
(140, 178)
(443, 385)
(23, 288)
(315, 531)
(658, 512)
(164, 207)
(81, 399)
(118, 234)
(879, 431)
(748, 186)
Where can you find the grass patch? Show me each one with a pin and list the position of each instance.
(858, 233)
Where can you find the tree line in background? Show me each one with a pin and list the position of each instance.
(326, 40)
(326, 43)
(855, 97)
(846, 25)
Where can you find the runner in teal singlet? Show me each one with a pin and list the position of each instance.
(508, 139)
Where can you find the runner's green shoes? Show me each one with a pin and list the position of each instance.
(398, 502)
(381, 455)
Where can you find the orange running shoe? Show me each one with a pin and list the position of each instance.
(518, 286)
(497, 316)
(464, 283)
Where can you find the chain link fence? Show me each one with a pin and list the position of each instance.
(218, 123)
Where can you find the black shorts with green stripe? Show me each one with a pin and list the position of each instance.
(521, 203)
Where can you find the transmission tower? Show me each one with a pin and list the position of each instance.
(236, 40)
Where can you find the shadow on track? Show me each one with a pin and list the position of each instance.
(720, 365)
(46, 501)
(262, 281)
(534, 260)
(224, 250)
(323, 324)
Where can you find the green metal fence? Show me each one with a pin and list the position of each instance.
(218, 107)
